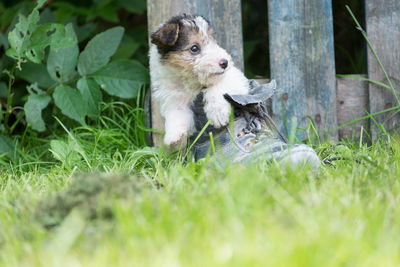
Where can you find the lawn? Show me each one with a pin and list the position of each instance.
(108, 202)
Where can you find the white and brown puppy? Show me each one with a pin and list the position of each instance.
(185, 60)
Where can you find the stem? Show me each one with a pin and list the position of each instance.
(9, 96)
(374, 53)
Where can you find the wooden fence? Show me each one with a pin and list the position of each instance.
(302, 61)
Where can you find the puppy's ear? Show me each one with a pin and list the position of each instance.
(167, 35)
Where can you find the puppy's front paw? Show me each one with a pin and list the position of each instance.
(219, 115)
(175, 136)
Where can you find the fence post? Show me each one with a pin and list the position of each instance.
(224, 15)
(303, 64)
(383, 30)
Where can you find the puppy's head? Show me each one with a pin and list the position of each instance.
(187, 43)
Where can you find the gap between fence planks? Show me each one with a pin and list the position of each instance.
(224, 16)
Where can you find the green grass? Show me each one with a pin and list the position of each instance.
(110, 201)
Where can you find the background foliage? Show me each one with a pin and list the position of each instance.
(59, 67)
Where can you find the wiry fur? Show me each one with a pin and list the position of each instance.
(178, 75)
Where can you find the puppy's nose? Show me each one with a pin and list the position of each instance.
(223, 63)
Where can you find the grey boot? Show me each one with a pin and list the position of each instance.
(252, 136)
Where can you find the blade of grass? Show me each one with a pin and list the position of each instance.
(374, 53)
(380, 126)
(212, 144)
(369, 116)
(358, 77)
(197, 138)
(81, 151)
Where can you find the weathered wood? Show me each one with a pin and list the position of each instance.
(224, 16)
(383, 30)
(303, 63)
(352, 102)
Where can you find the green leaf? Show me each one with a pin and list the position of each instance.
(105, 9)
(3, 90)
(40, 3)
(3, 94)
(3, 41)
(92, 95)
(33, 111)
(64, 152)
(11, 52)
(19, 37)
(98, 51)
(126, 49)
(82, 31)
(47, 16)
(64, 10)
(134, 6)
(61, 64)
(9, 14)
(85, 31)
(35, 55)
(28, 39)
(108, 12)
(6, 144)
(70, 101)
(35, 73)
(122, 78)
(50, 34)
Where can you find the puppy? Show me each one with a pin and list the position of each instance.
(185, 60)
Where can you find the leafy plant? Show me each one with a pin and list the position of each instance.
(64, 76)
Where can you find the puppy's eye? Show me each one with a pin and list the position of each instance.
(195, 49)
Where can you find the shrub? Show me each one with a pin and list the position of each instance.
(52, 69)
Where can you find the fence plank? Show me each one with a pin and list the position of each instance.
(224, 16)
(352, 102)
(383, 24)
(303, 63)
